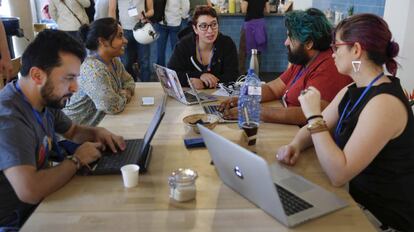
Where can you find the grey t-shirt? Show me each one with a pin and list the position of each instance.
(23, 141)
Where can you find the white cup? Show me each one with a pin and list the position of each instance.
(130, 175)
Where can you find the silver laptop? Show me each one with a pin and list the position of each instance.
(172, 86)
(209, 109)
(289, 198)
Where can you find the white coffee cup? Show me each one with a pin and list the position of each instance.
(130, 175)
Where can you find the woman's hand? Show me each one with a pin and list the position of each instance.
(288, 154)
(126, 93)
(197, 83)
(209, 80)
(310, 101)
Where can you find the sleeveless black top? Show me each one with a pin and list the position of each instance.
(386, 186)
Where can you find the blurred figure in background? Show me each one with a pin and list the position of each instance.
(175, 12)
(69, 15)
(130, 13)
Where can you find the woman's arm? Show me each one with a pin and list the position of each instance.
(112, 9)
(267, 8)
(150, 8)
(243, 6)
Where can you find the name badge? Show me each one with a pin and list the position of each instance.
(132, 12)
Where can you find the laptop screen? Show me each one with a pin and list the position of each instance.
(152, 128)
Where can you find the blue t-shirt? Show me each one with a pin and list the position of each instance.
(23, 141)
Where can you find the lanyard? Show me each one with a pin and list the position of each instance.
(117, 81)
(201, 58)
(40, 122)
(297, 77)
(338, 128)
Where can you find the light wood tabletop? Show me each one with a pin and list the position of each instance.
(101, 203)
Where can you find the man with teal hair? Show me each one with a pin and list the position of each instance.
(311, 64)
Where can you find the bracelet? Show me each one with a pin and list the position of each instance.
(318, 126)
(75, 161)
(313, 116)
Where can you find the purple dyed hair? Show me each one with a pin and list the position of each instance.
(372, 32)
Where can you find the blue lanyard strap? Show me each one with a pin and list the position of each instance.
(201, 58)
(338, 128)
(40, 122)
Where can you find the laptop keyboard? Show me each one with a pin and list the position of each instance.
(291, 203)
(189, 97)
(110, 161)
(212, 109)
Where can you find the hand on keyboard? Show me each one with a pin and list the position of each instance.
(228, 104)
(88, 152)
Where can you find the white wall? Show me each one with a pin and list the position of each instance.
(399, 16)
(302, 4)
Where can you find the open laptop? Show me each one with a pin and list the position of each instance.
(138, 151)
(289, 198)
(172, 86)
(209, 109)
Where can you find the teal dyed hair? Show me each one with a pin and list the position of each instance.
(309, 25)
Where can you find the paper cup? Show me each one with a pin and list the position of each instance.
(130, 175)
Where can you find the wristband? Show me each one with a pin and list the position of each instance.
(313, 116)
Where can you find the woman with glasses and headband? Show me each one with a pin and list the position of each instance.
(365, 136)
(206, 56)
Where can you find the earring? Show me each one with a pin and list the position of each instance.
(356, 65)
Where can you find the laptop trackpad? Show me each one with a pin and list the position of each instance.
(296, 184)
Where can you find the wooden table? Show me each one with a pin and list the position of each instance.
(101, 203)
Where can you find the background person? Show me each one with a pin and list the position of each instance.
(135, 51)
(69, 15)
(308, 42)
(365, 136)
(105, 87)
(207, 56)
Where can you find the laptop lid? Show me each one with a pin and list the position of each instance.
(241, 169)
(170, 82)
(153, 126)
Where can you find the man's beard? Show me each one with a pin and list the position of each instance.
(50, 99)
(299, 56)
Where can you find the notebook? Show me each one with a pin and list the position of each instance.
(138, 151)
(172, 86)
(284, 195)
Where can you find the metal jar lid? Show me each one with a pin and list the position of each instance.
(183, 175)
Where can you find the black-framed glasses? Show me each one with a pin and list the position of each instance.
(204, 26)
(334, 46)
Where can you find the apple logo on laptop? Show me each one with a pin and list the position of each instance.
(238, 172)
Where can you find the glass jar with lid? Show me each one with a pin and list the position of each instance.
(182, 184)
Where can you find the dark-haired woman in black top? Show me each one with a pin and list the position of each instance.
(365, 136)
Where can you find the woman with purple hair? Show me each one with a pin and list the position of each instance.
(365, 135)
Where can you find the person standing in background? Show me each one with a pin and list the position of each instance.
(130, 13)
(253, 32)
(69, 15)
(6, 67)
(175, 12)
(105, 8)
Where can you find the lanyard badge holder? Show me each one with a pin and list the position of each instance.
(132, 10)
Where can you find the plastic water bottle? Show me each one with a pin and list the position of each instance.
(249, 98)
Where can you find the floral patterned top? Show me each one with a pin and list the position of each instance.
(99, 91)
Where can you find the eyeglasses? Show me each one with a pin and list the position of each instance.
(334, 46)
(204, 26)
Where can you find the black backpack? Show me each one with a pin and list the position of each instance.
(159, 11)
